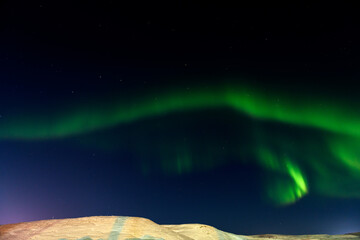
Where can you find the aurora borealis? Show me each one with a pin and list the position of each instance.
(238, 119)
(336, 124)
(269, 106)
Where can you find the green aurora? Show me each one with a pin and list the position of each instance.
(326, 162)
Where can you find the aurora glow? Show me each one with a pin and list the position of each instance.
(284, 192)
(334, 122)
(249, 101)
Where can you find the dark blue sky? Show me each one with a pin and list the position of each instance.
(57, 56)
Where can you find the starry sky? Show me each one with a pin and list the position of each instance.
(244, 117)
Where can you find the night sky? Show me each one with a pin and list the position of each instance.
(243, 117)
